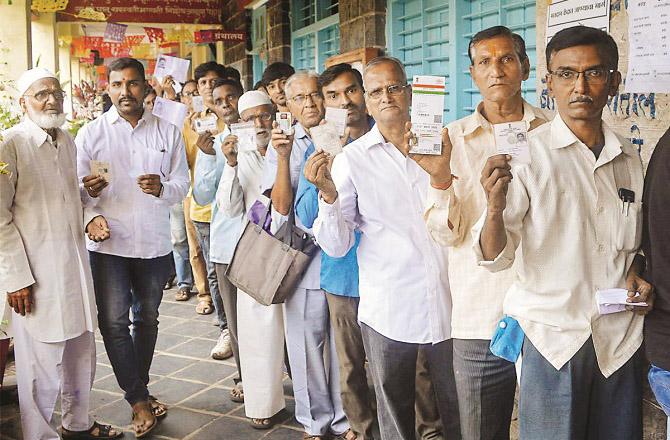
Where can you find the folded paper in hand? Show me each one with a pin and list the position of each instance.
(614, 300)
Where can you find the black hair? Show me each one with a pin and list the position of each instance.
(259, 85)
(499, 31)
(229, 82)
(210, 66)
(585, 36)
(232, 73)
(189, 81)
(276, 71)
(125, 63)
(150, 91)
(330, 74)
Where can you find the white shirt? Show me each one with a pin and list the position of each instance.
(564, 211)
(403, 281)
(240, 185)
(42, 233)
(473, 142)
(301, 141)
(139, 222)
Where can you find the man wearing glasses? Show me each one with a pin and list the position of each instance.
(405, 304)
(147, 174)
(315, 382)
(575, 211)
(44, 270)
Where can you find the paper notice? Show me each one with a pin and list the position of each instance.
(564, 14)
(197, 104)
(326, 138)
(246, 135)
(337, 116)
(614, 300)
(427, 113)
(170, 111)
(206, 123)
(512, 138)
(100, 168)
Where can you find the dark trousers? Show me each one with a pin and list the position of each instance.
(228, 293)
(577, 402)
(393, 369)
(121, 285)
(486, 386)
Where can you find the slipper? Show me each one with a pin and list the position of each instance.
(346, 435)
(104, 432)
(158, 408)
(141, 434)
(183, 294)
(204, 308)
(267, 423)
(312, 437)
(237, 394)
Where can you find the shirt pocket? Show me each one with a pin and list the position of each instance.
(628, 227)
(154, 162)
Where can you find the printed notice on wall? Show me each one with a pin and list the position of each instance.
(649, 46)
(563, 14)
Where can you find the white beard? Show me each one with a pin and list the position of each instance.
(45, 121)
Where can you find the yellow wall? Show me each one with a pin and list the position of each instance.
(45, 41)
(15, 39)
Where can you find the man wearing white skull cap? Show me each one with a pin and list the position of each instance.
(44, 268)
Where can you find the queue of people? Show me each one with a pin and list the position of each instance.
(434, 274)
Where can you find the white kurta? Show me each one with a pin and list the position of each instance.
(42, 234)
(260, 328)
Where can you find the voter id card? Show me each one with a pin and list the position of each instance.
(512, 138)
(285, 121)
(207, 123)
(100, 168)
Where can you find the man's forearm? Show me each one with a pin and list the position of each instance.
(493, 238)
(282, 192)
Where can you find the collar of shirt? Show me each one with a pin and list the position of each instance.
(477, 120)
(113, 117)
(372, 138)
(38, 135)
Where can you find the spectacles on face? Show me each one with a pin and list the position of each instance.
(191, 94)
(392, 90)
(302, 99)
(261, 116)
(43, 95)
(597, 76)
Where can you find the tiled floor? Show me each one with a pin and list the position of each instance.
(183, 375)
(196, 388)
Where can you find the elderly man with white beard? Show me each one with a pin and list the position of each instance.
(44, 268)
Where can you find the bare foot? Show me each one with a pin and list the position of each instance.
(143, 418)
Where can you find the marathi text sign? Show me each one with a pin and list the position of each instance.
(212, 35)
(150, 11)
(564, 14)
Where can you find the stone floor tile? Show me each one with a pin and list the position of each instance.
(164, 364)
(214, 400)
(181, 422)
(172, 391)
(207, 372)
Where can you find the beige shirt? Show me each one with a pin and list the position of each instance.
(564, 212)
(476, 293)
(42, 233)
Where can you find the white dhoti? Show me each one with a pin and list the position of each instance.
(45, 370)
(261, 338)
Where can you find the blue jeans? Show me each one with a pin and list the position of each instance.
(577, 402)
(121, 285)
(202, 232)
(182, 263)
(659, 379)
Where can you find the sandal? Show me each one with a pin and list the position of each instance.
(183, 294)
(204, 308)
(262, 423)
(159, 409)
(104, 432)
(312, 437)
(237, 394)
(143, 433)
(346, 435)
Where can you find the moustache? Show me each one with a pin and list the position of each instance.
(583, 98)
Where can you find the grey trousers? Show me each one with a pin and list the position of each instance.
(486, 386)
(228, 294)
(577, 402)
(314, 366)
(393, 370)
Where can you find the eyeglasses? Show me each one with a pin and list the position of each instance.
(392, 90)
(261, 116)
(302, 99)
(597, 76)
(43, 95)
(194, 93)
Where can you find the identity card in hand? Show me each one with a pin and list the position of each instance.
(427, 113)
(337, 116)
(100, 168)
(285, 122)
(206, 123)
(614, 300)
(512, 138)
(171, 111)
(173, 66)
(326, 138)
(246, 135)
(197, 104)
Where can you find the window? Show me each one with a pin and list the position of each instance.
(431, 37)
(316, 32)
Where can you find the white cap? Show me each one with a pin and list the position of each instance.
(252, 98)
(29, 77)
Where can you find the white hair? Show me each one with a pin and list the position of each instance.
(300, 74)
(44, 120)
